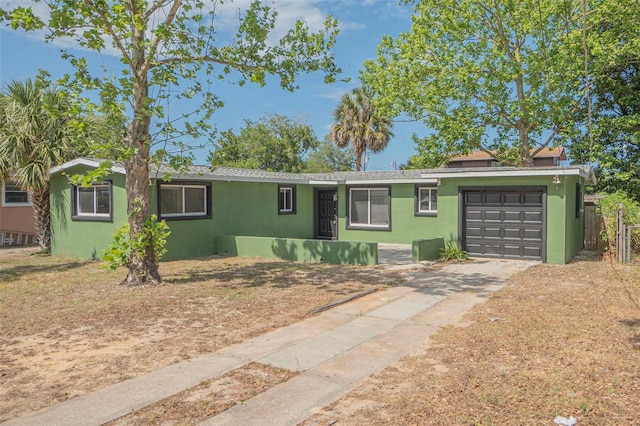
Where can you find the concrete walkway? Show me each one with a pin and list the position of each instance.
(334, 351)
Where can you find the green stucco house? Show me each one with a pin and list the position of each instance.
(526, 213)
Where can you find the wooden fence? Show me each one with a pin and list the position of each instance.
(593, 226)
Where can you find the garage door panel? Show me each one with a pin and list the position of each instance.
(533, 252)
(513, 233)
(474, 231)
(512, 198)
(504, 223)
(513, 216)
(472, 197)
(474, 214)
(532, 198)
(532, 234)
(492, 215)
(492, 199)
(512, 250)
(532, 216)
(493, 249)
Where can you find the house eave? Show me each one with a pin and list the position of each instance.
(585, 172)
(389, 181)
(87, 162)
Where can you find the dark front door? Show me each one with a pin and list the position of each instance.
(327, 214)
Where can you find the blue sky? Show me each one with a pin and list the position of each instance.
(362, 22)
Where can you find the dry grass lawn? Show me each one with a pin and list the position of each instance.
(555, 341)
(68, 328)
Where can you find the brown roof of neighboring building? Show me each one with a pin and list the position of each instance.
(544, 153)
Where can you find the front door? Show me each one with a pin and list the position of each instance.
(327, 213)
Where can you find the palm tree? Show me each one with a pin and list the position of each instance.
(358, 123)
(35, 135)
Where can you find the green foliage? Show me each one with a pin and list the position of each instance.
(154, 234)
(451, 251)
(500, 76)
(358, 122)
(276, 143)
(614, 145)
(170, 52)
(608, 208)
(329, 158)
(40, 127)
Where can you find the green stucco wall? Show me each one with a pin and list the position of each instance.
(564, 235)
(318, 251)
(82, 238)
(428, 249)
(238, 208)
(251, 209)
(405, 226)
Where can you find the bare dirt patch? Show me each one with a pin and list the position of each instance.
(208, 399)
(68, 328)
(555, 341)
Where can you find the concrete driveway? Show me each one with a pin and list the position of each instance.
(334, 351)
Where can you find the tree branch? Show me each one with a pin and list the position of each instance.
(156, 41)
(157, 5)
(205, 59)
(110, 29)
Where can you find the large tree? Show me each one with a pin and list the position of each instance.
(329, 158)
(37, 132)
(497, 76)
(359, 123)
(172, 49)
(276, 143)
(612, 139)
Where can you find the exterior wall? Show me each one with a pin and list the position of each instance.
(241, 209)
(83, 238)
(251, 209)
(556, 205)
(574, 220)
(426, 249)
(564, 233)
(238, 208)
(336, 252)
(405, 225)
(17, 219)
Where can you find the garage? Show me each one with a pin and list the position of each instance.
(504, 222)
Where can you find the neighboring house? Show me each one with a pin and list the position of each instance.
(17, 225)
(527, 213)
(545, 158)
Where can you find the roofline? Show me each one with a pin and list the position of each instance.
(388, 181)
(585, 172)
(84, 162)
(426, 176)
(241, 179)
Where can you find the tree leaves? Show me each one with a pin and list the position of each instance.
(482, 75)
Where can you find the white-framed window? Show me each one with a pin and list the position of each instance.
(370, 208)
(184, 200)
(92, 202)
(286, 199)
(426, 200)
(14, 196)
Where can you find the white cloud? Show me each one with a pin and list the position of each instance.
(226, 19)
(335, 95)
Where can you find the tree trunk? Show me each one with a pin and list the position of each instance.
(42, 218)
(358, 160)
(143, 267)
(525, 151)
